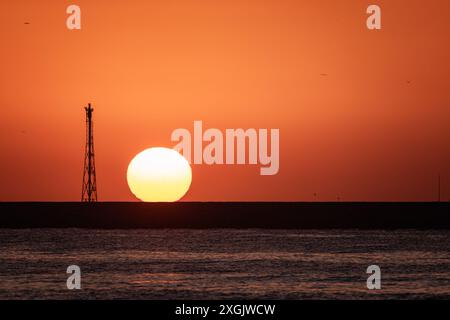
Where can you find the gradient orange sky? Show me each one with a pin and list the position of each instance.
(376, 127)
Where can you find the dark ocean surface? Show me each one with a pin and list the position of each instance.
(223, 264)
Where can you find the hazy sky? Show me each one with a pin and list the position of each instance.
(363, 115)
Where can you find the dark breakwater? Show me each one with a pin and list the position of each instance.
(200, 215)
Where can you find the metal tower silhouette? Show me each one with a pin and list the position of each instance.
(89, 187)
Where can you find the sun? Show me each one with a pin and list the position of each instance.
(159, 175)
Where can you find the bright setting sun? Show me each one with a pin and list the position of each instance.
(159, 175)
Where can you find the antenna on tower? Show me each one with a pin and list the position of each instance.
(89, 187)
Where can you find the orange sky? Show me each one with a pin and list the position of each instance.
(377, 127)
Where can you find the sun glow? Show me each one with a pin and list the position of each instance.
(159, 175)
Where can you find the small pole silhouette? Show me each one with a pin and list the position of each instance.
(89, 187)
(439, 188)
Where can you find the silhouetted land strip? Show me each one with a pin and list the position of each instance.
(274, 215)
